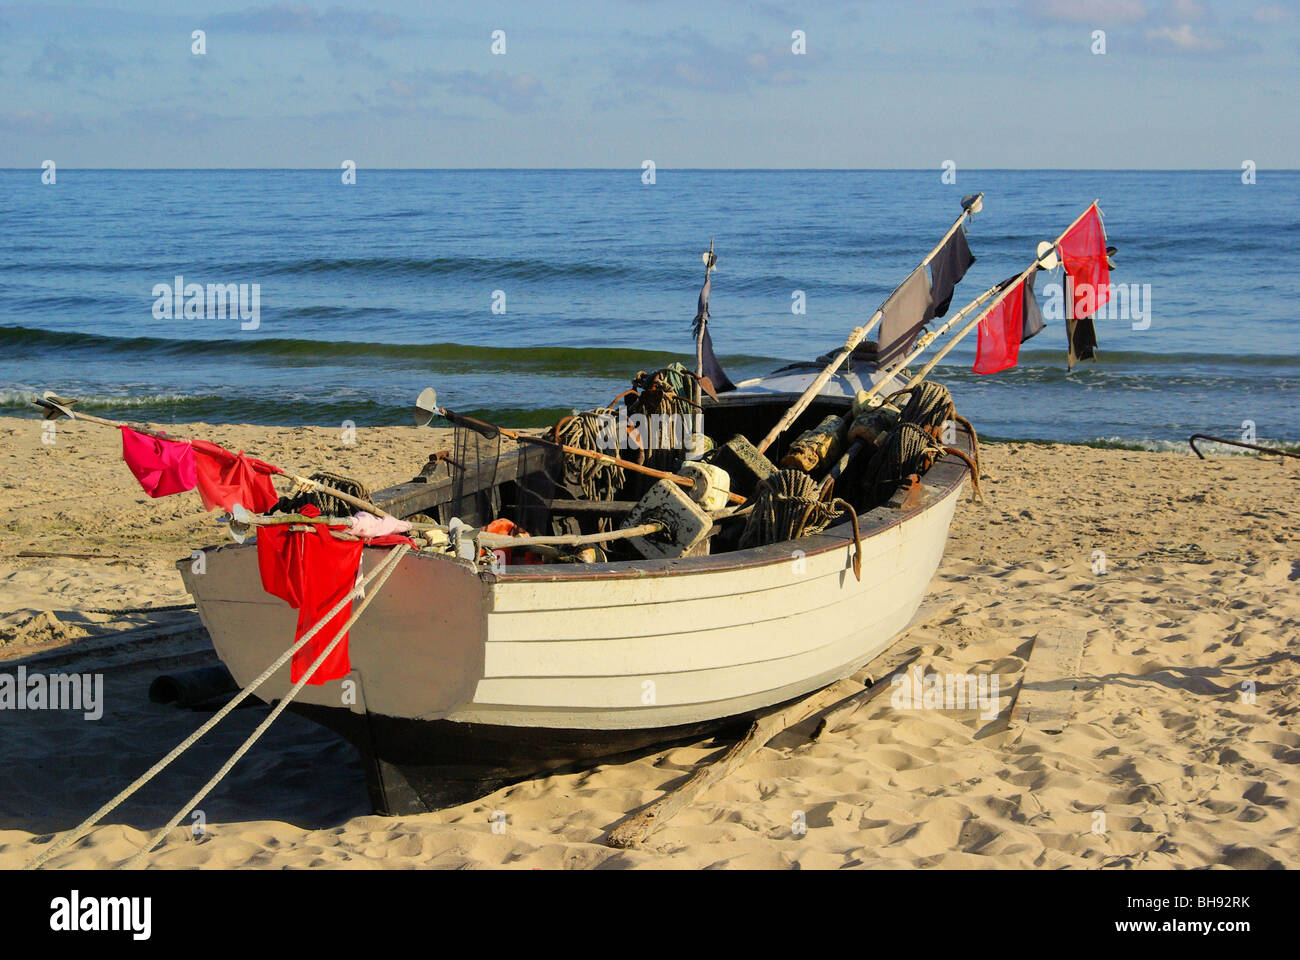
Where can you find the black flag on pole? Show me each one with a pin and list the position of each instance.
(700, 328)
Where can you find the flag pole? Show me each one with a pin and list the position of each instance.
(56, 407)
(1004, 288)
(702, 316)
(859, 334)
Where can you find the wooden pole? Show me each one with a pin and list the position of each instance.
(854, 338)
(324, 488)
(685, 482)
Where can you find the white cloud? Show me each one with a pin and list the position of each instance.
(1184, 39)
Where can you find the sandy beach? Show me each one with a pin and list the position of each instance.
(1177, 576)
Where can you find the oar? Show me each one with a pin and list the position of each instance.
(426, 408)
(971, 205)
(55, 407)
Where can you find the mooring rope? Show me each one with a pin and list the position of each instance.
(77, 832)
(930, 406)
(597, 479)
(787, 506)
(908, 449)
(384, 570)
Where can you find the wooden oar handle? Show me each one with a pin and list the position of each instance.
(489, 429)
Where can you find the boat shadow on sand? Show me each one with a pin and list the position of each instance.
(59, 766)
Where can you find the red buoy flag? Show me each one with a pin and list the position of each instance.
(1083, 254)
(1000, 332)
(226, 479)
(163, 467)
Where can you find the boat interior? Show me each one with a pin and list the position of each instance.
(488, 478)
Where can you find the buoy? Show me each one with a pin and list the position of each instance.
(712, 484)
(743, 464)
(686, 524)
(815, 446)
(872, 419)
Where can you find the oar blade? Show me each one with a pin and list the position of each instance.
(54, 405)
(426, 406)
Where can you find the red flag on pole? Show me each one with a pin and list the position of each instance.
(226, 479)
(163, 467)
(1000, 333)
(1083, 253)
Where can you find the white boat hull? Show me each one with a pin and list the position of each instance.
(462, 675)
(443, 642)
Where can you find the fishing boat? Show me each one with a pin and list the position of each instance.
(465, 676)
(571, 599)
(567, 599)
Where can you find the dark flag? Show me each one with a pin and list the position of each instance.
(1033, 313)
(905, 313)
(947, 268)
(710, 367)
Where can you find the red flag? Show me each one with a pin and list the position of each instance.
(1083, 253)
(311, 570)
(225, 479)
(163, 467)
(1000, 333)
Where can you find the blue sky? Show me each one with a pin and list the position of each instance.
(687, 84)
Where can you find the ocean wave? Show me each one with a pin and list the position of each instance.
(503, 268)
(617, 362)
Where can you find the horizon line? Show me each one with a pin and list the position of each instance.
(637, 169)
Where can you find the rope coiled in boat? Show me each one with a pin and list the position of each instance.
(908, 449)
(930, 406)
(302, 494)
(597, 479)
(787, 506)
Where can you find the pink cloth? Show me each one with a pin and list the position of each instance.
(163, 467)
(367, 525)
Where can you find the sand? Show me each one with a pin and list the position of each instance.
(1162, 759)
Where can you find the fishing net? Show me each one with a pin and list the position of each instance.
(482, 491)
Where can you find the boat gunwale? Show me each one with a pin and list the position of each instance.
(832, 538)
(836, 537)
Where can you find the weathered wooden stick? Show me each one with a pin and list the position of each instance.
(515, 435)
(638, 828)
(837, 714)
(117, 424)
(856, 337)
(495, 542)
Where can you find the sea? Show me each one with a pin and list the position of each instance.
(521, 295)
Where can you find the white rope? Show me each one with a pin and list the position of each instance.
(77, 832)
(387, 567)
